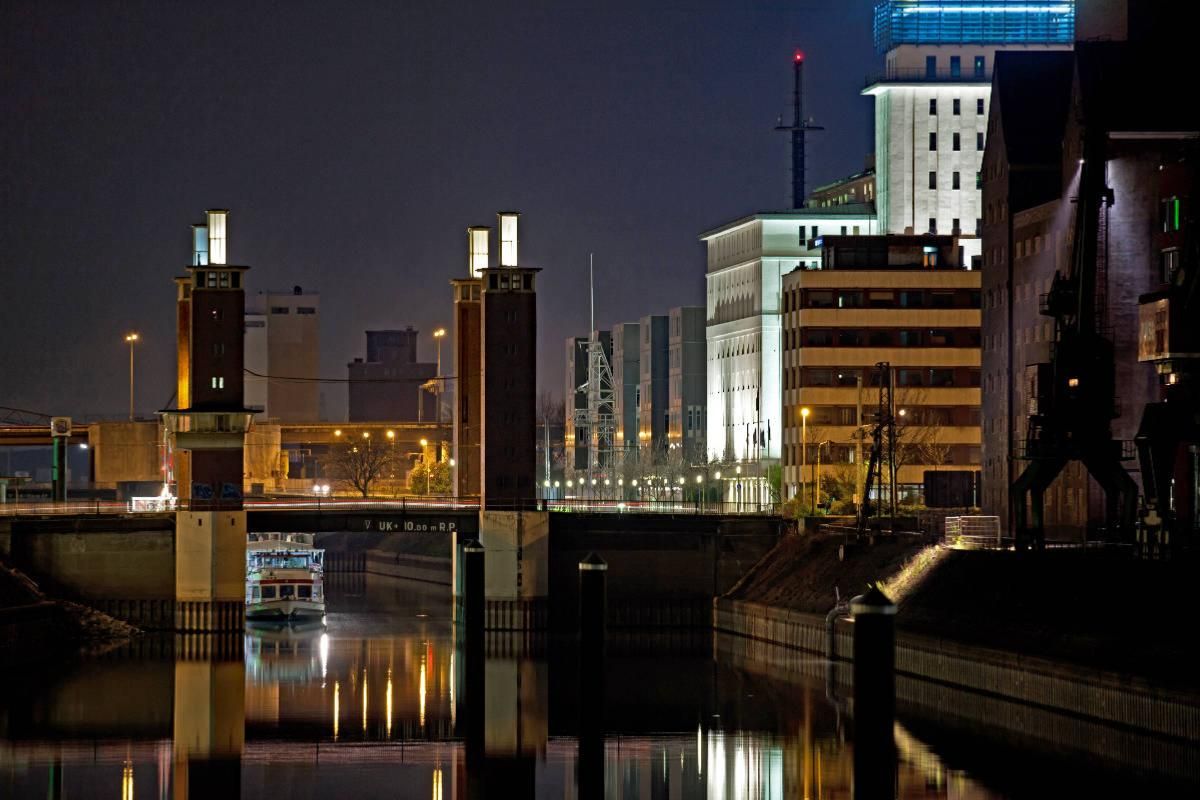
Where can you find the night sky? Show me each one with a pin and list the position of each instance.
(355, 142)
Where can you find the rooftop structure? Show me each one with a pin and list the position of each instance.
(900, 22)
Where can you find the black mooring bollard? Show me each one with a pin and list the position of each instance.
(593, 623)
(874, 695)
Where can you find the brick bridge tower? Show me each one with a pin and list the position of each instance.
(206, 433)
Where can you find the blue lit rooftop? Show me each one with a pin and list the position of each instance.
(899, 22)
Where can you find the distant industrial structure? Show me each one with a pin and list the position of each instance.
(390, 384)
(283, 355)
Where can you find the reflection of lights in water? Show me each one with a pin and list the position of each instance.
(389, 703)
(699, 751)
(453, 709)
(324, 650)
(422, 716)
(127, 781)
(364, 692)
(741, 775)
(337, 690)
(437, 783)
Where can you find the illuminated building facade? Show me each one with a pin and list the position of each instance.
(746, 262)
(931, 104)
(686, 390)
(626, 369)
(653, 390)
(905, 300)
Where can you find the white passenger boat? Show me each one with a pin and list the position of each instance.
(283, 578)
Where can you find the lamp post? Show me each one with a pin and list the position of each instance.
(817, 475)
(439, 334)
(131, 339)
(803, 450)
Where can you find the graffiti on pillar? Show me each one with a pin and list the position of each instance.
(231, 491)
(202, 491)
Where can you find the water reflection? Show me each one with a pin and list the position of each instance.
(380, 703)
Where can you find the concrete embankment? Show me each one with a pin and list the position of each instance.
(1087, 632)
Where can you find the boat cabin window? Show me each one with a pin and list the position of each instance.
(304, 592)
(254, 593)
(268, 593)
(284, 562)
(287, 590)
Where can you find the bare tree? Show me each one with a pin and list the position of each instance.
(360, 466)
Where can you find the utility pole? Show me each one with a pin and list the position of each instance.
(131, 338)
(858, 437)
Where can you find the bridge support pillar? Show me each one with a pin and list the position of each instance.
(210, 570)
(516, 569)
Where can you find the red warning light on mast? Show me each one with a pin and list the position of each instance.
(799, 56)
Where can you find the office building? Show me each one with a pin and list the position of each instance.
(390, 385)
(932, 100)
(626, 372)
(856, 188)
(654, 393)
(283, 350)
(746, 261)
(904, 300)
(687, 389)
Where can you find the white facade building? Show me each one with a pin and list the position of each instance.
(931, 105)
(747, 260)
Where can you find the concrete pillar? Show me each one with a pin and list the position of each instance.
(210, 570)
(516, 571)
(874, 617)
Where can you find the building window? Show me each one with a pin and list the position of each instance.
(1169, 264)
(933, 141)
(933, 105)
(843, 230)
(978, 180)
(816, 231)
(956, 143)
(820, 298)
(803, 240)
(979, 66)
(954, 222)
(957, 107)
(954, 183)
(930, 66)
(932, 180)
(218, 383)
(910, 338)
(218, 349)
(955, 66)
(979, 140)
(1168, 212)
(932, 222)
(978, 220)
(979, 106)
(306, 310)
(912, 299)
(280, 310)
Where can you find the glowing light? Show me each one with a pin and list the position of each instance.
(391, 434)
(337, 710)
(634, 482)
(366, 435)
(389, 703)
(452, 462)
(421, 710)
(83, 446)
(1073, 383)
(131, 337)
(323, 651)
(127, 781)
(717, 475)
(437, 783)
(439, 333)
(546, 484)
(799, 56)
(424, 443)
(804, 412)
(337, 432)
(364, 692)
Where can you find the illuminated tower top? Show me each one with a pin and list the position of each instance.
(996, 22)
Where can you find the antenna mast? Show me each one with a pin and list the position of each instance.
(798, 128)
(598, 417)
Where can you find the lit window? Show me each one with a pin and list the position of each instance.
(980, 65)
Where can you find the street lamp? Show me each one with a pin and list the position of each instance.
(439, 334)
(131, 339)
(803, 449)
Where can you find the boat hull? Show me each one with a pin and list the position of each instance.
(290, 609)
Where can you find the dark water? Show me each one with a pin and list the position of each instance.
(372, 706)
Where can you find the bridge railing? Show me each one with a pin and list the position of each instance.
(83, 507)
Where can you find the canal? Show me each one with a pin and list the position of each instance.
(372, 706)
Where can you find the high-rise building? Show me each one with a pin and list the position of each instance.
(390, 385)
(687, 389)
(746, 262)
(653, 390)
(931, 104)
(468, 366)
(905, 300)
(283, 344)
(626, 375)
